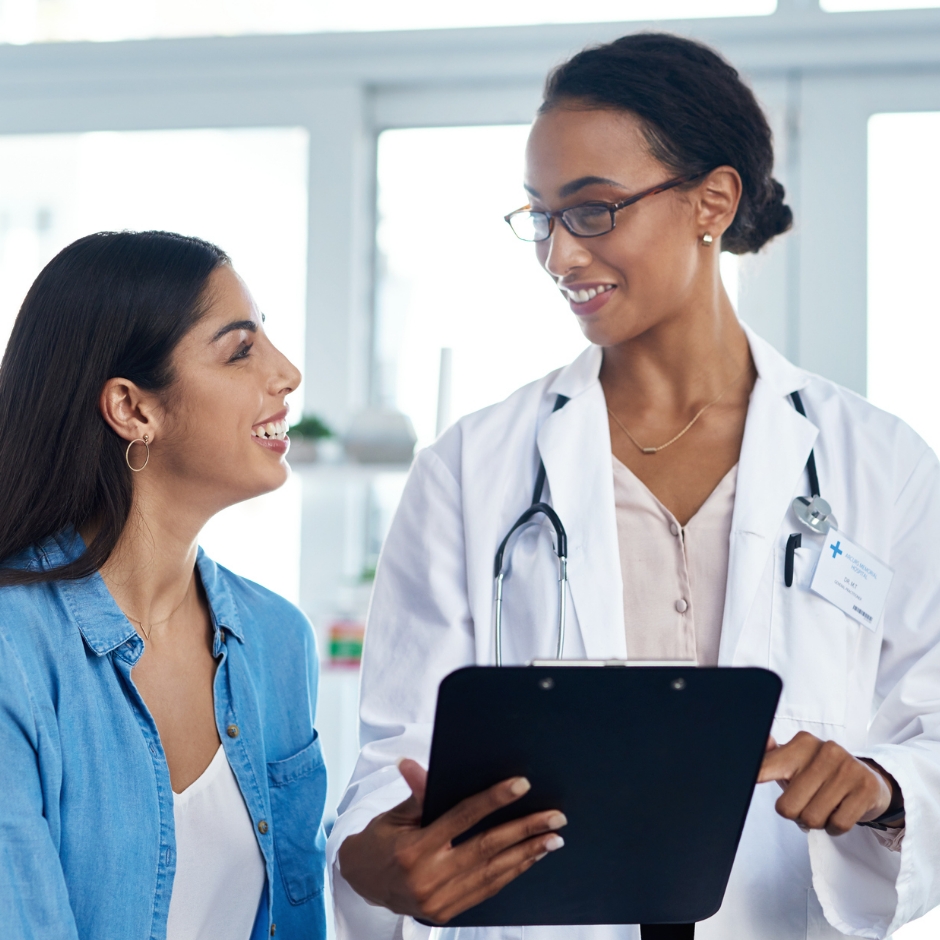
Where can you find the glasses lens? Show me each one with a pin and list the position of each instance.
(588, 220)
(529, 226)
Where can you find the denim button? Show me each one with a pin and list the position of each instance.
(232, 731)
(262, 826)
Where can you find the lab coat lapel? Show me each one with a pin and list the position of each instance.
(574, 443)
(777, 442)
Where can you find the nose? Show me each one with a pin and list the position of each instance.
(562, 253)
(285, 377)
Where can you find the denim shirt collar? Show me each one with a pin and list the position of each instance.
(102, 623)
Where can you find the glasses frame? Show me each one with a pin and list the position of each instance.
(612, 207)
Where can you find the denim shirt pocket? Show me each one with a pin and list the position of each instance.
(298, 794)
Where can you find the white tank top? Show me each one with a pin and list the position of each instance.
(219, 867)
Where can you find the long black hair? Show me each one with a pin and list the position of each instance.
(697, 114)
(115, 304)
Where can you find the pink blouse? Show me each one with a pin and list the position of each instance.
(673, 577)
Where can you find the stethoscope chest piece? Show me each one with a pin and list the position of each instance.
(815, 513)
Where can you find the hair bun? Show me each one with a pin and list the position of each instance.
(758, 224)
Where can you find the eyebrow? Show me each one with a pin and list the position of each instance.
(569, 189)
(249, 325)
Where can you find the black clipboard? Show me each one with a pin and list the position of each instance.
(654, 766)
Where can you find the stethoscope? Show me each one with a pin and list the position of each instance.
(812, 512)
(561, 550)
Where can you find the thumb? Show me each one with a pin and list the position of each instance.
(415, 776)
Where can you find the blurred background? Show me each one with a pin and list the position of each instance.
(356, 158)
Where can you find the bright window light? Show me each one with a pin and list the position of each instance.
(452, 275)
(903, 246)
(23, 21)
(245, 189)
(854, 6)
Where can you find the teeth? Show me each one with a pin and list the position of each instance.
(273, 430)
(583, 296)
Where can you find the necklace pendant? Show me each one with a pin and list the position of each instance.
(649, 450)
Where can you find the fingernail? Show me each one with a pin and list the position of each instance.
(539, 858)
(554, 843)
(519, 786)
(557, 820)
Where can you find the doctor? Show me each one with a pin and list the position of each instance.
(674, 449)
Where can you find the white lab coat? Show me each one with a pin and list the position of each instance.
(876, 692)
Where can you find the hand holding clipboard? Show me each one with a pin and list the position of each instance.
(419, 871)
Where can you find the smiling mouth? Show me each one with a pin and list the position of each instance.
(583, 296)
(272, 431)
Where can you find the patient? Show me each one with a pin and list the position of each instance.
(159, 768)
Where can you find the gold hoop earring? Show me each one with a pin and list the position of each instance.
(707, 239)
(145, 440)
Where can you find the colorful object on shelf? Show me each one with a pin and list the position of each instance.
(346, 643)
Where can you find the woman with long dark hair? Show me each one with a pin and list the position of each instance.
(160, 775)
(688, 461)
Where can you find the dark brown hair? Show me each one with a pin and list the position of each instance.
(112, 304)
(697, 115)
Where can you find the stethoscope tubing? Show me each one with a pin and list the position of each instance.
(538, 507)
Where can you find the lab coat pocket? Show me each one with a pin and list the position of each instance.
(298, 794)
(810, 641)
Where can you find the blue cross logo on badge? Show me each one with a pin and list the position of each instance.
(835, 549)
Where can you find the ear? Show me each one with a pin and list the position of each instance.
(130, 411)
(718, 197)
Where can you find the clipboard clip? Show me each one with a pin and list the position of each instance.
(669, 663)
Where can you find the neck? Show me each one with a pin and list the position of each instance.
(680, 363)
(151, 568)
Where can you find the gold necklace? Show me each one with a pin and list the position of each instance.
(698, 414)
(156, 623)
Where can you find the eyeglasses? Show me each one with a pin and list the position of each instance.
(588, 220)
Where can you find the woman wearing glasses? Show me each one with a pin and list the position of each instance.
(685, 456)
(160, 775)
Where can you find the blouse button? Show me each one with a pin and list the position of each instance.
(232, 731)
(262, 826)
(682, 605)
(673, 528)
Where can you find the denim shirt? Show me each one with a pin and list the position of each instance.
(87, 846)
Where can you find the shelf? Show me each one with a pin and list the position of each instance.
(347, 470)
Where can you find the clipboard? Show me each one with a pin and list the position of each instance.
(654, 766)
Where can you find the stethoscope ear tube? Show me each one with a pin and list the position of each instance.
(561, 549)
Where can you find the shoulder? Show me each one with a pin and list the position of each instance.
(859, 437)
(263, 616)
(33, 616)
(868, 433)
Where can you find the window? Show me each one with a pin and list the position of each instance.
(23, 21)
(245, 189)
(903, 247)
(852, 6)
(452, 275)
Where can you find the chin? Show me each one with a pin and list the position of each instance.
(615, 327)
(264, 479)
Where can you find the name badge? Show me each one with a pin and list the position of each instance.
(852, 579)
